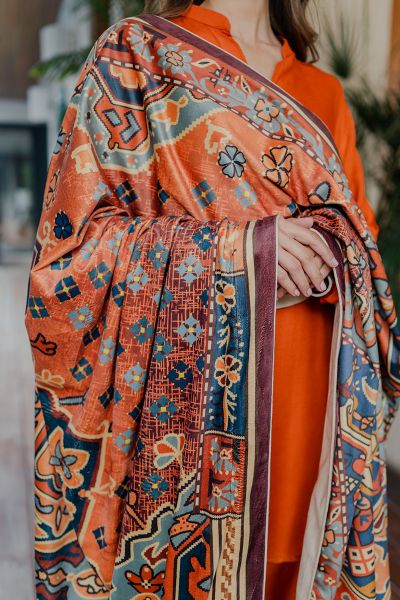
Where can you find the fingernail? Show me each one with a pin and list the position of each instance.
(296, 293)
(309, 292)
(334, 263)
(322, 287)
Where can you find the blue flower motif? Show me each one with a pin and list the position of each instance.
(140, 41)
(190, 329)
(154, 486)
(142, 330)
(137, 279)
(88, 249)
(115, 243)
(82, 369)
(62, 228)
(339, 176)
(158, 255)
(125, 440)
(232, 161)
(163, 409)
(245, 194)
(81, 317)
(204, 194)
(190, 268)
(174, 59)
(181, 374)
(162, 300)
(37, 308)
(203, 238)
(135, 377)
(107, 349)
(62, 461)
(162, 348)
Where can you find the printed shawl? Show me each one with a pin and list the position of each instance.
(150, 312)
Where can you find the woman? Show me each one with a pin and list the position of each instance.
(300, 402)
(193, 203)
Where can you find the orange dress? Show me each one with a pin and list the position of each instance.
(303, 331)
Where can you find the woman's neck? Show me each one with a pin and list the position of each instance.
(250, 26)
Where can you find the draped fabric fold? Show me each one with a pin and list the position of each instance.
(150, 312)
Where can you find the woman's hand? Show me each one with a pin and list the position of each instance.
(304, 260)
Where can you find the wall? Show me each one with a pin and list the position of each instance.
(19, 51)
(372, 22)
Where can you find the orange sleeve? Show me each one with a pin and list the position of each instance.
(345, 137)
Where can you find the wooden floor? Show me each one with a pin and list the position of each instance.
(16, 448)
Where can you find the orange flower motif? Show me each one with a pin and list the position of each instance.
(329, 537)
(278, 163)
(225, 295)
(266, 111)
(227, 370)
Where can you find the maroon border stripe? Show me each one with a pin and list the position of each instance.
(187, 36)
(333, 242)
(264, 242)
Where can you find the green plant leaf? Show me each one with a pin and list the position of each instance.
(342, 46)
(59, 67)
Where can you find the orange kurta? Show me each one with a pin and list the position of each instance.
(304, 331)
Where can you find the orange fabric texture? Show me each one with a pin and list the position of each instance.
(299, 402)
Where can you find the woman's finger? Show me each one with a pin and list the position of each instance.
(280, 292)
(305, 221)
(293, 266)
(286, 283)
(307, 260)
(325, 270)
(322, 266)
(312, 239)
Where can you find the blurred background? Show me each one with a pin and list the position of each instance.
(42, 45)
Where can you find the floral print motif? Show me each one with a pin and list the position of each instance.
(146, 582)
(339, 176)
(245, 194)
(168, 449)
(174, 59)
(163, 408)
(125, 440)
(154, 486)
(278, 162)
(227, 369)
(62, 464)
(265, 112)
(220, 74)
(142, 330)
(320, 194)
(232, 161)
(226, 295)
(139, 40)
(62, 228)
(181, 374)
(224, 496)
(221, 458)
